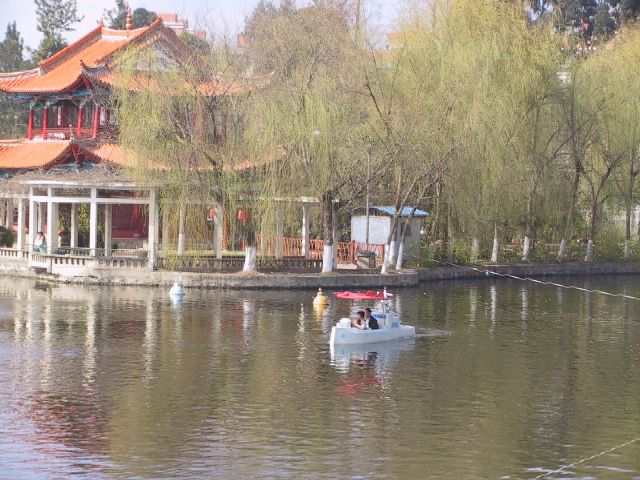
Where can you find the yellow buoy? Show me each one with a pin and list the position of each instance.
(320, 299)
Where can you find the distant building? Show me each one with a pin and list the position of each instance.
(380, 224)
(180, 25)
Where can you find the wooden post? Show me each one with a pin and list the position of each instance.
(45, 121)
(30, 125)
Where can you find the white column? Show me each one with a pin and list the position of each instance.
(93, 223)
(108, 229)
(305, 230)
(279, 232)
(52, 223)
(40, 226)
(153, 227)
(2, 213)
(33, 213)
(218, 231)
(181, 215)
(21, 211)
(73, 243)
(9, 212)
(165, 230)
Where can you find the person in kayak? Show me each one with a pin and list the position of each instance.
(369, 320)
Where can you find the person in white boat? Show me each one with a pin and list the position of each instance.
(358, 322)
(369, 320)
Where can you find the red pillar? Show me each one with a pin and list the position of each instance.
(62, 116)
(30, 124)
(96, 120)
(45, 121)
(79, 126)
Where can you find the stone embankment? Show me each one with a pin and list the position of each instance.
(340, 280)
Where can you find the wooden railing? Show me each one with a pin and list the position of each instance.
(210, 264)
(347, 251)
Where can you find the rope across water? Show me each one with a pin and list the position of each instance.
(541, 282)
(564, 468)
(586, 459)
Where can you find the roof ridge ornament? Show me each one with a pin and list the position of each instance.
(129, 22)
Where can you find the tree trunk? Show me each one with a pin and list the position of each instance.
(251, 252)
(475, 250)
(526, 248)
(327, 232)
(592, 231)
(494, 251)
(628, 201)
(403, 236)
(449, 237)
(568, 224)
(250, 259)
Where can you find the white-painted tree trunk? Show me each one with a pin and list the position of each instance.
(181, 235)
(392, 252)
(475, 250)
(400, 256)
(627, 249)
(385, 259)
(589, 255)
(496, 245)
(526, 249)
(327, 258)
(561, 249)
(251, 254)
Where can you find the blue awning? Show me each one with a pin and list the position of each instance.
(406, 211)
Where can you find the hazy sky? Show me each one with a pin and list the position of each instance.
(220, 16)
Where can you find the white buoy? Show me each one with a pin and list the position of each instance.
(176, 290)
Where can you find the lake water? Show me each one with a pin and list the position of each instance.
(509, 379)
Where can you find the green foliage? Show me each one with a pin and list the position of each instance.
(117, 16)
(55, 17)
(6, 237)
(198, 44)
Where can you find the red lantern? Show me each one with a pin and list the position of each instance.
(242, 217)
(212, 213)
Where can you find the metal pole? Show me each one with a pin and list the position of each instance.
(367, 200)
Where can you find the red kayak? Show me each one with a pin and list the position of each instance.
(368, 295)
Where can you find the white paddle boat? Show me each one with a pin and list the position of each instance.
(390, 327)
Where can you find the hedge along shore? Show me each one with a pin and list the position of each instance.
(341, 280)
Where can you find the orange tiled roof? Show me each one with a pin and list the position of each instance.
(27, 155)
(63, 71)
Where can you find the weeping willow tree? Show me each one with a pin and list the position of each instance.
(615, 74)
(179, 116)
(490, 67)
(309, 117)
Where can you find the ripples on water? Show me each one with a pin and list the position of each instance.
(506, 380)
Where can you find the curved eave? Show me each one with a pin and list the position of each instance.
(77, 82)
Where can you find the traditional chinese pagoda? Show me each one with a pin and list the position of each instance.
(72, 124)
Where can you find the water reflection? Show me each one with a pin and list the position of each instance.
(509, 378)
